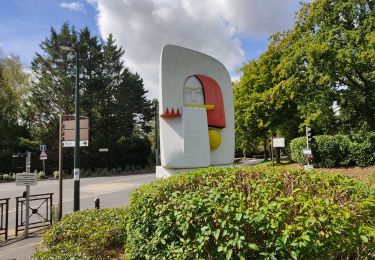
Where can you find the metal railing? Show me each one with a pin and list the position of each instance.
(4, 211)
(40, 208)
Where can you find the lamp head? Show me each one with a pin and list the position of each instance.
(66, 46)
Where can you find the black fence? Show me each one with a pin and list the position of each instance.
(4, 211)
(40, 211)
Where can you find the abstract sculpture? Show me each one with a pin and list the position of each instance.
(196, 111)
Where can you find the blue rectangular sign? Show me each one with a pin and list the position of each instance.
(43, 147)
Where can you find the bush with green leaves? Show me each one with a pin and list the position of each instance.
(363, 148)
(337, 151)
(88, 234)
(246, 213)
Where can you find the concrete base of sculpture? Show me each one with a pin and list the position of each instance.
(162, 172)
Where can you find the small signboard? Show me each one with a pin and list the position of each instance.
(72, 143)
(278, 142)
(103, 150)
(43, 147)
(68, 134)
(23, 179)
(43, 156)
(307, 151)
(71, 124)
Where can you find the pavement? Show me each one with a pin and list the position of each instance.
(19, 248)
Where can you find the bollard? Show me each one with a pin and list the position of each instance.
(97, 203)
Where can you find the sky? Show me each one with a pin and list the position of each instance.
(232, 31)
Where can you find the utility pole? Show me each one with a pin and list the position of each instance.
(60, 169)
(67, 46)
(77, 139)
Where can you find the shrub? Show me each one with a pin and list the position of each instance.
(9, 177)
(296, 150)
(329, 151)
(221, 213)
(41, 175)
(88, 234)
(56, 174)
(363, 149)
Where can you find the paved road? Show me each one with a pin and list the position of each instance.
(112, 191)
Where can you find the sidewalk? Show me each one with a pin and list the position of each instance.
(19, 248)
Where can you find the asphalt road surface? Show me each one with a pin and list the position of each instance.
(112, 191)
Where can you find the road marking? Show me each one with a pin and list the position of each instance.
(92, 188)
(102, 193)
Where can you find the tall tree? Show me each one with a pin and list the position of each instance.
(14, 87)
(111, 96)
(338, 40)
(326, 59)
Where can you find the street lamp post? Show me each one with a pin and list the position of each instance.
(68, 47)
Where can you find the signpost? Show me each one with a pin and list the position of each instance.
(67, 138)
(307, 151)
(105, 150)
(27, 179)
(278, 142)
(43, 156)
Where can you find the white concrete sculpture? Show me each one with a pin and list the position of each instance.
(196, 111)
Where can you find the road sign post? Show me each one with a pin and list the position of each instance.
(74, 133)
(28, 169)
(43, 157)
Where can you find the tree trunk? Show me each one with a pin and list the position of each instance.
(278, 157)
(265, 153)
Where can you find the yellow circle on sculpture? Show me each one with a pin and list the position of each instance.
(215, 139)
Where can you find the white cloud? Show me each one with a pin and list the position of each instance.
(214, 27)
(94, 3)
(74, 6)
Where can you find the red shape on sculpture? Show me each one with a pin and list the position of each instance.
(172, 113)
(213, 96)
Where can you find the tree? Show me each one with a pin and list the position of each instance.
(112, 97)
(14, 87)
(326, 59)
(338, 40)
(263, 106)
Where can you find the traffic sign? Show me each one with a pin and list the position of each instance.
(103, 150)
(43, 147)
(43, 156)
(24, 178)
(72, 143)
(307, 151)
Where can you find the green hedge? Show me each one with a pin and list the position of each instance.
(337, 150)
(225, 213)
(88, 234)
